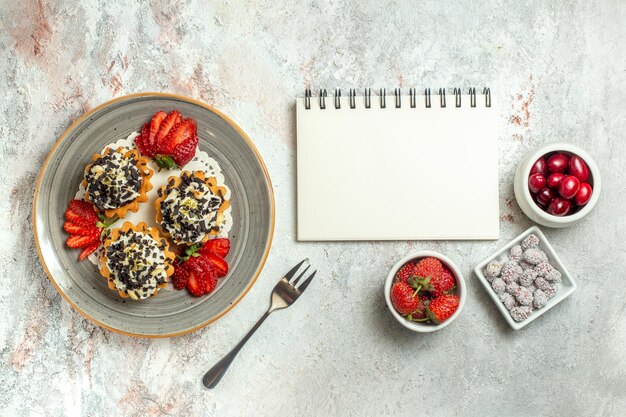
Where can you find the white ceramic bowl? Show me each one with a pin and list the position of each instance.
(522, 193)
(460, 291)
(566, 287)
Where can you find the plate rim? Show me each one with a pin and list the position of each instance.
(266, 250)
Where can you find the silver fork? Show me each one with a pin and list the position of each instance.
(285, 293)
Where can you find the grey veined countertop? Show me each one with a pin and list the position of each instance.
(558, 70)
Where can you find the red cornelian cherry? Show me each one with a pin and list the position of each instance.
(558, 162)
(539, 167)
(536, 182)
(583, 195)
(569, 187)
(554, 180)
(544, 196)
(578, 168)
(559, 206)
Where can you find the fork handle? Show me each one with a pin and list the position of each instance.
(215, 374)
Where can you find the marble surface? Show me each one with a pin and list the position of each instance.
(558, 69)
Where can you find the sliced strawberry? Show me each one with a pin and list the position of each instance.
(77, 241)
(155, 125)
(177, 135)
(169, 122)
(81, 213)
(80, 220)
(142, 142)
(180, 277)
(84, 208)
(77, 220)
(74, 229)
(185, 152)
(145, 133)
(198, 264)
(219, 246)
(88, 250)
(220, 265)
(211, 281)
(196, 284)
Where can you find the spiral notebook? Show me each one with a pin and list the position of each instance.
(397, 167)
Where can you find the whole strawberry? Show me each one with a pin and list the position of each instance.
(404, 298)
(405, 272)
(441, 308)
(419, 314)
(429, 267)
(442, 285)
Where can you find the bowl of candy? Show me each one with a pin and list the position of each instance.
(525, 278)
(557, 185)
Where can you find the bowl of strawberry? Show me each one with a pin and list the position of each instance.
(425, 291)
(557, 185)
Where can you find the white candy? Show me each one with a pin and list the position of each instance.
(515, 253)
(540, 299)
(521, 313)
(508, 300)
(498, 285)
(530, 241)
(492, 270)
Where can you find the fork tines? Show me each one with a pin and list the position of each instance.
(297, 281)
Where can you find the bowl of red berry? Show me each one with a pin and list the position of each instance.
(425, 291)
(557, 185)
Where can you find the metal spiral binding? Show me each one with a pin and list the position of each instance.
(487, 93)
(367, 96)
(442, 97)
(337, 98)
(472, 94)
(457, 97)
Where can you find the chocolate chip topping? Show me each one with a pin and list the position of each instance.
(136, 262)
(113, 180)
(189, 210)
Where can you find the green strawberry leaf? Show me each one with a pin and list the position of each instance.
(422, 283)
(165, 162)
(191, 251)
(104, 222)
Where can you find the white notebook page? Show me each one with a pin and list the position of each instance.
(397, 173)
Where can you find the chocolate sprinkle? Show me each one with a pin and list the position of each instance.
(190, 213)
(113, 180)
(133, 260)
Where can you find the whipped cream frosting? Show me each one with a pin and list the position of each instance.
(137, 263)
(189, 209)
(201, 162)
(113, 180)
